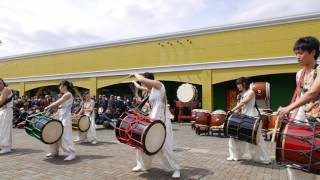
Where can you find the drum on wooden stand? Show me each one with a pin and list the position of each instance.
(202, 117)
(81, 123)
(140, 131)
(298, 145)
(218, 117)
(44, 127)
(186, 93)
(243, 128)
(194, 114)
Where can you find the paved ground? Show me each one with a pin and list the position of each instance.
(201, 157)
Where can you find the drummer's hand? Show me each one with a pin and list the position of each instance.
(283, 112)
(46, 108)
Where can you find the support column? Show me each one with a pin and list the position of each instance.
(93, 86)
(76, 90)
(22, 89)
(207, 90)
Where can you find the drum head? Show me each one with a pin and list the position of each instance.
(52, 132)
(186, 93)
(219, 111)
(154, 137)
(84, 123)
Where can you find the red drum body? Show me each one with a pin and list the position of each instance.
(265, 121)
(218, 117)
(202, 117)
(298, 145)
(141, 132)
(272, 120)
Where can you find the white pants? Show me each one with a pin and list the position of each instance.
(166, 158)
(66, 141)
(295, 174)
(90, 135)
(259, 153)
(6, 116)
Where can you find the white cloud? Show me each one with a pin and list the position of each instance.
(36, 25)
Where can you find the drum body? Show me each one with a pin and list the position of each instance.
(244, 128)
(218, 117)
(141, 132)
(202, 117)
(44, 127)
(272, 120)
(186, 93)
(298, 145)
(262, 90)
(81, 124)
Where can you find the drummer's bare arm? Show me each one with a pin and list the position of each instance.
(153, 83)
(5, 94)
(139, 87)
(63, 99)
(80, 112)
(244, 101)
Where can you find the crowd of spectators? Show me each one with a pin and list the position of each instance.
(107, 108)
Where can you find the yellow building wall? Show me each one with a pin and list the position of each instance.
(262, 42)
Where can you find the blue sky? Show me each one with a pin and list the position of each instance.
(38, 25)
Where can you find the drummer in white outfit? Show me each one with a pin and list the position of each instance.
(87, 109)
(159, 110)
(64, 104)
(6, 116)
(246, 105)
(306, 50)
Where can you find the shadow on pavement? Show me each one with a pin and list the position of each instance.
(186, 173)
(100, 143)
(273, 164)
(79, 158)
(24, 151)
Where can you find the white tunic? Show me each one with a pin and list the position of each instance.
(237, 148)
(90, 135)
(6, 117)
(66, 141)
(160, 110)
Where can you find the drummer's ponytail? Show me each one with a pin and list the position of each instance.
(68, 84)
(4, 84)
(149, 75)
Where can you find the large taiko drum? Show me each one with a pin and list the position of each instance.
(243, 128)
(81, 123)
(203, 117)
(44, 127)
(298, 145)
(186, 93)
(262, 90)
(218, 117)
(140, 131)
